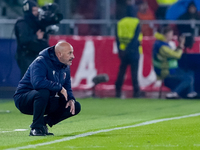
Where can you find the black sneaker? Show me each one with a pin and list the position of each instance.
(139, 94)
(118, 95)
(46, 131)
(37, 132)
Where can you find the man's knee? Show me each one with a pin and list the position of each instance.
(77, 107)
(188, 79)
(43, 93)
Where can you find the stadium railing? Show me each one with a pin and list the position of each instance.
(109, 24)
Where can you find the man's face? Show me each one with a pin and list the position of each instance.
(67, 56)
(143, 7)
(169, 35)
(192, 9)
(35, 11)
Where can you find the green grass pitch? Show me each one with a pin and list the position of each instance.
(102, 114)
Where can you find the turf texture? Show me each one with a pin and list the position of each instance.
(98, 114)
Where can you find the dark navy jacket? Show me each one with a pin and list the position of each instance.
(45, 72)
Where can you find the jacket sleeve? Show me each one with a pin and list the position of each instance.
(38, 72)
(67, 86)
(26, 38)
(166, 51)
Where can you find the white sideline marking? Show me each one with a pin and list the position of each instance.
(20, 130)
(4, 111)
(101, 131)
(14, 130)
(5, 131)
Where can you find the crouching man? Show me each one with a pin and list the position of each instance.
(45, 90)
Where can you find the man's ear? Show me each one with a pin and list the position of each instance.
(59, 54)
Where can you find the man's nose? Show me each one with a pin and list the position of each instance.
(73, 56)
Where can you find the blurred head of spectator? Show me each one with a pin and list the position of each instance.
(191, 12)
(192, 8)
(168, 33)
(145, 13)
(153, 5)
(142, 6)
(131, 9)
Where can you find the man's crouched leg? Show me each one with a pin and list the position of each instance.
(61, 114)
(41, 99)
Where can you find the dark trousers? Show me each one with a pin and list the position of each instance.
(39, 103)
(180, 81)
(133, 62)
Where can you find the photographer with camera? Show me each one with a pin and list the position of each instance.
(165, 62)
(33, 30)
(31, 39)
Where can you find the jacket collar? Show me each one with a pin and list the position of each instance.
(159, 36)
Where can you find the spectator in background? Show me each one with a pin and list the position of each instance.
(153, 5)
(87, 9)
(166, 65)
(186, 29)
(145, 13)
(163, 5)
(127, 37)
(30, 38)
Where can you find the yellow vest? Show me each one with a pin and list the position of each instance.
(126, 31)
(44, 2)
(166, 2)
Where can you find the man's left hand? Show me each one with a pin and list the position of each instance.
(72, 106)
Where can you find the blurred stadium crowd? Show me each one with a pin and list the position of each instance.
(109, 11)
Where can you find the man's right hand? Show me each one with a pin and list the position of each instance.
(64, 93)
(40, 34)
